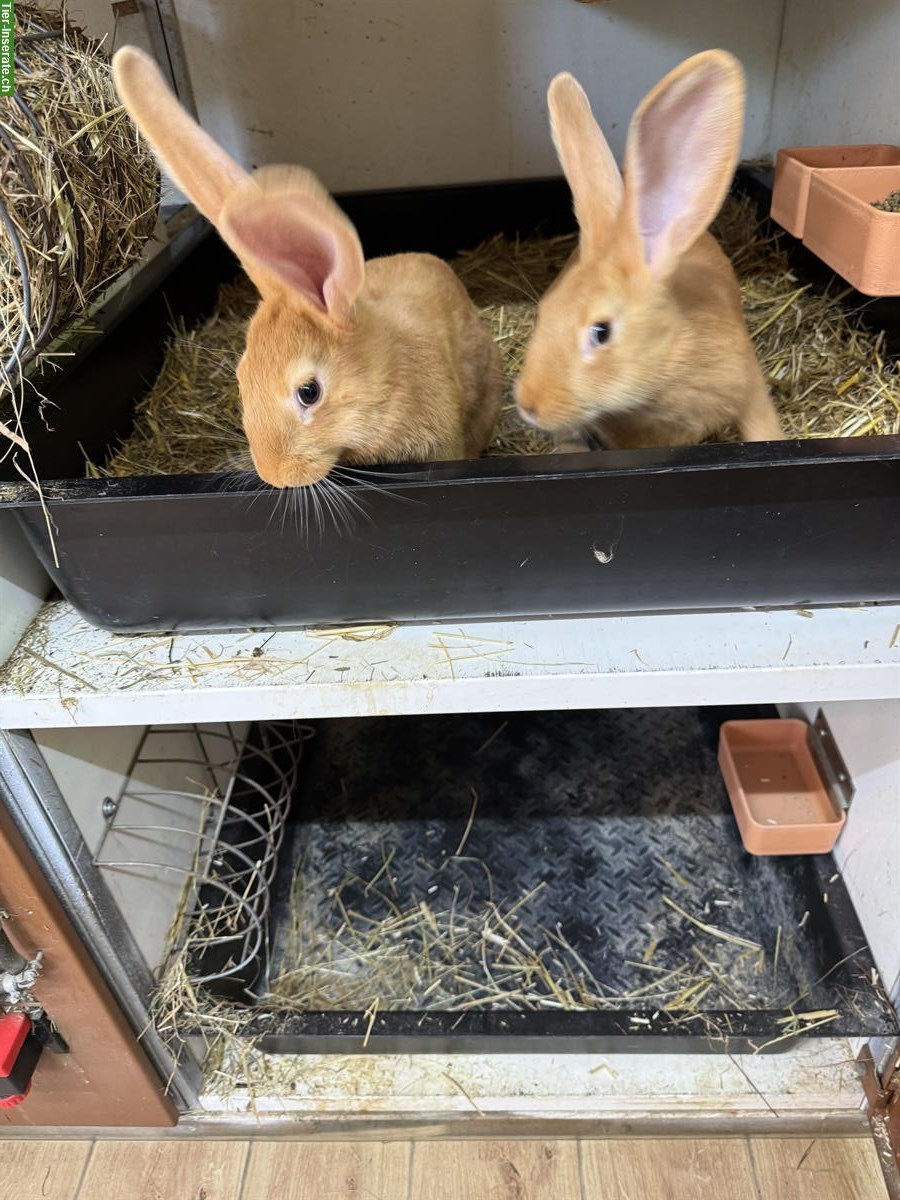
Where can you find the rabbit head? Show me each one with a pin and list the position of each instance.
(610, 328)
(302, 375)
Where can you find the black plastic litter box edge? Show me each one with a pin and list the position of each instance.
(709, 527)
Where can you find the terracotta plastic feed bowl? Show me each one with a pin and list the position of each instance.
(794, 169)
(779, 798)
(860, 242)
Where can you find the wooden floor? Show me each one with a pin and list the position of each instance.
(728, 1169)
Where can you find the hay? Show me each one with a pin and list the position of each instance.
(190, 421)
(829, 375)
(78, 193)
(479, 951)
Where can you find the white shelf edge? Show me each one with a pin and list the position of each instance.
(67, 672)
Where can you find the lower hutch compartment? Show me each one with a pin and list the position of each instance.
(457, 885)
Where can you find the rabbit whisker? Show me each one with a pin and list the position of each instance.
(338, 472)
(380, 473)
(345, 497)
(284, 503)
(352, 506)
(340, 513)
(317, 507)
(302, 501)
(334, 512)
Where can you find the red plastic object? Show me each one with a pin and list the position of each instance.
(16, 1067)
(14, 1029)
(15, 1101)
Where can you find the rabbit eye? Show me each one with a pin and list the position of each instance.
(600, 333)
(309, 393)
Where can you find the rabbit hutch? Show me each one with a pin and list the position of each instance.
(542, 787)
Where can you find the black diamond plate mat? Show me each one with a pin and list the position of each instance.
(599, 844)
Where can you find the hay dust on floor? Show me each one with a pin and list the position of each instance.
(829, 375)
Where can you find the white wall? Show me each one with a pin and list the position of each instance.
(23, 584)
(149, 851)
(838, 76)
(96, 17)
(381, 93)
(868, 851)
(386, 93)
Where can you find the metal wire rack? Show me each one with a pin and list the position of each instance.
(208, 806)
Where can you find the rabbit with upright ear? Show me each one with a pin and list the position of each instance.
(642, 339)
(345, 361)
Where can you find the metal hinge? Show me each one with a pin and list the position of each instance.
(830, 762)
(883, 1110)
(18, 975)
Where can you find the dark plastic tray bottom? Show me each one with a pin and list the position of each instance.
(617, 827)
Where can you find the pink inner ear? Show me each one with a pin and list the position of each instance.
(301, 256)
(683, 146)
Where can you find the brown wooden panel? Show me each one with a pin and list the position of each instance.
(106, 1079)
(818, 1168)
(41, 1170)
(671, 1169)
(338, 1170)
(497, 1170)
(173, 1170)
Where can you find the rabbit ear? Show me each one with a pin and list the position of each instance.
(683, 147)
(200, 168)
(292, 237)
(280, 222)
(586, 159)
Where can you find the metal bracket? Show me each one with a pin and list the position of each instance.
(168, 48)
(18, 975)
(883, 1104)
(830, 762)
(15, 986)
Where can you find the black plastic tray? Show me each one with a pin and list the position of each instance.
(708, 527)
(601, 818)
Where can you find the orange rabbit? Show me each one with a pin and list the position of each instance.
(642, 339)
(346, 361)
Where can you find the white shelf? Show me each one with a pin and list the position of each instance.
(66, 672)
(811, 1085)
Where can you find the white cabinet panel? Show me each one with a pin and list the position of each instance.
(393, 93)
(837, 77)
(23, 584)
(868, 851)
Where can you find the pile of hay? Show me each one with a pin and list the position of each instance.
(829, 375)
(478, 954)
(79, 191)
